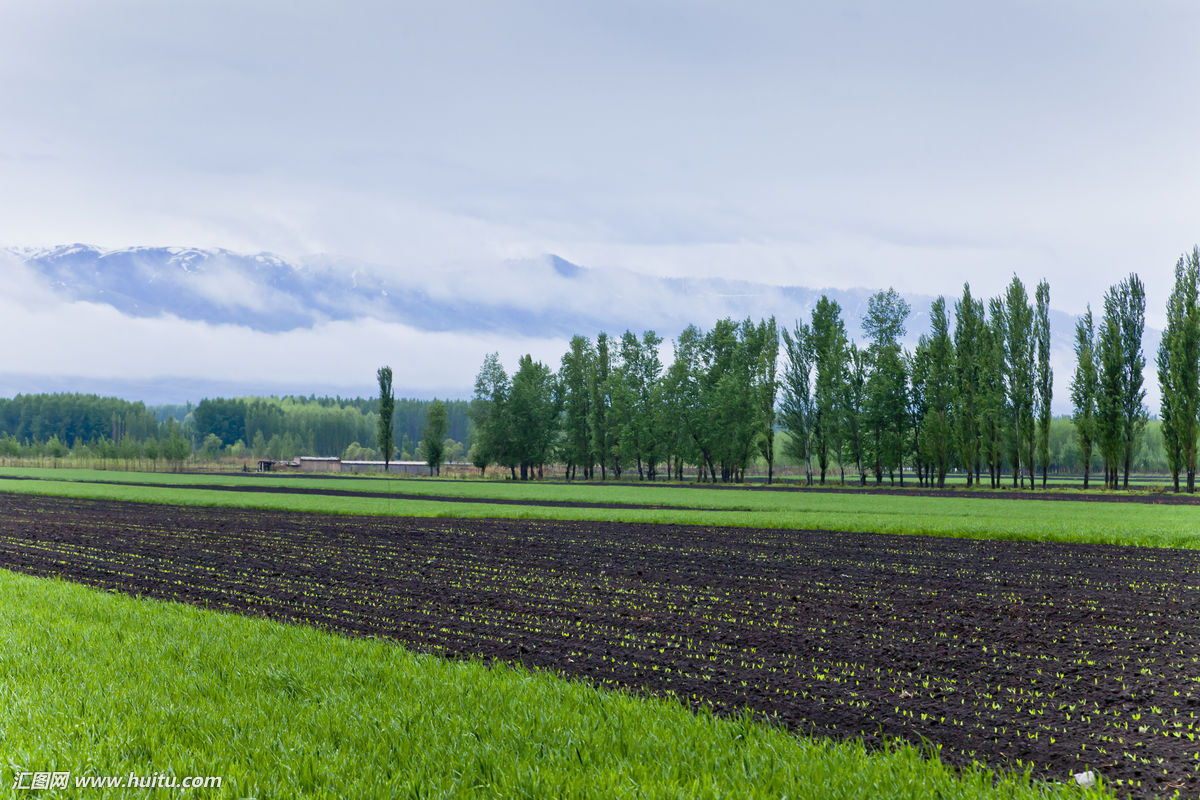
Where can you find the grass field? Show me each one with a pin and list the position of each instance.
(99, 684)
(976, 517)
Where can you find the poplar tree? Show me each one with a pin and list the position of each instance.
(1131, 297)
(1044, 376)
(437, 423)
(1179, 370)
(767, 387)
(1110, 370)
(797, 409)
(854, 403)
(829, 356)
(1019, 351)
(490, 416)
(574, 375)
(970, 336)
(532, 412)
(939, 392)
(387, 405)
(1084, 389)
(887, 407)
(598, 387)
(995, 407)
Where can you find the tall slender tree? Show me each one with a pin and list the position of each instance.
(387, 405)
(1019, 349)
(437, 425)
(598, 386)
(490, 416)
(574, 374)
(969, 358)
(854, 404)
(887, 385)
(796, 411)
(1084, 389)
(1131, 304)
(829, 356)
(1179, 370)
(1044, 375)
(939, 392)
(996, 408)
(1110, 389)
(767, 385)
(532, 411)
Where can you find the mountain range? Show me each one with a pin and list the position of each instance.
(545, 298)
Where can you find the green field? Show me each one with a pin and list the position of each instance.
(100, 684)
(288, 711)
(985, 516)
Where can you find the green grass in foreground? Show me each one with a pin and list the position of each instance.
(100, 684)
(975, 517)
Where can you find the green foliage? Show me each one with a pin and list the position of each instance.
(1121, 413)
(1178, 364)
(1019, 350)
(970, 362)
(887, 401)
(797, 410)
(176, 448)
(1085, 388)
(575, 374)
(1044, 375)
(994, 413)
(514, 420)
(384, 438)
(74, 418)
(829, 354)
(436, 425)
(937, 413)
(356, 452)
(533, 412)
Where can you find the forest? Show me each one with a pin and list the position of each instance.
(106, 428)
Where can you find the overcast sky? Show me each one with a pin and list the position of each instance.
(835, 144)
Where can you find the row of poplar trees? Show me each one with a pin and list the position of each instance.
(974, 395)
(977, 397)
(613, 409)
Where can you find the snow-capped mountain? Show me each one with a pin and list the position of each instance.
(472, 308)
(548, 296)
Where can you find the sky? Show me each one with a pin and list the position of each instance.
(824, 144)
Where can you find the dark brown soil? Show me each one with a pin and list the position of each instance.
(1061, 656)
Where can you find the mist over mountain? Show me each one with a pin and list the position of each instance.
(547, 299)
(548, 296)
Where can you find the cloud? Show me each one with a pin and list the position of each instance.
(91, 340)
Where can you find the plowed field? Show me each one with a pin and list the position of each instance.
(1011, 653)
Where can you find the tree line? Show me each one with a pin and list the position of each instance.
(107, 428)
(974, 395)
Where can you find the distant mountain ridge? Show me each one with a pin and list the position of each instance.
(267, 293)
(548, 298)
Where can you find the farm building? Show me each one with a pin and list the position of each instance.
(335, 464)
(320, 464)
(395, 467)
